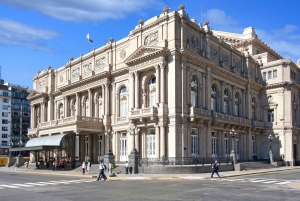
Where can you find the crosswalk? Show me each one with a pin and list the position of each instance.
(48, 183)
(264, 181)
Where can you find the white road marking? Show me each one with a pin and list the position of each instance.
(285, 182)
(269, 182)
(36, 184)
(255, 181)
(23, 185)
(7, 186)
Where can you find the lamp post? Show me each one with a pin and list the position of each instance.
(99, 146)
(130, 130)
(270, 139)
(109, 135)
(233, 135)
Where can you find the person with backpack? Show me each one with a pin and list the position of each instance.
(215, 168)
(102, 169)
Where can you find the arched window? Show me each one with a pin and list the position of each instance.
(253, 109)
(194, 92)
(123, 102)
(236, 105)
(74, 109)
(213, 98)
(225, 101)
(152, 91)
(100, 105)
(61, 111)
(87, 111)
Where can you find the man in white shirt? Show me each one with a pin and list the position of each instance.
(101, 171)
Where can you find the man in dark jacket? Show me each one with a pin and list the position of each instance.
(215, 169)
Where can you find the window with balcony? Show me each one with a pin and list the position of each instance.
(194, 92)
(270, 116)
(213, 98)
(225, 101)
(236, 105)
(253, 108)
(87, 107)
(275, 74)
(123, 102)
(152, 91)
(195, 142)
(100, 105)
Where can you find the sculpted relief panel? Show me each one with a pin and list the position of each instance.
(100, 63)
(75, 74)
(42, 85)
(151, 39)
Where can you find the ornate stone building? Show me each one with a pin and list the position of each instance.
(181, 85)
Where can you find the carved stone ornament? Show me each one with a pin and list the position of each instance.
(42, 84)
(75, 73)
(122, 54)
(270, 98)
(237, 64)
(123, 98)
(193, 41)
(151, 39)
(214, 52)
(61, 78)
(100, 62)
(226, 59)
(87, 68)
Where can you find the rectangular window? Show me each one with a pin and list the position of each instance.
(4, 107)
(275, 74)
(4, 135)
(4, 143)
(270, 116)
(265, 76)
(269, 75)
(4, 114)
(5, 100)
(4, 128)
(4, 121)
(5, 93)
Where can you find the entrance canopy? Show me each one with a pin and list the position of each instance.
(41, 143)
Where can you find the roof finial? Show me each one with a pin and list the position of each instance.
(181, 7)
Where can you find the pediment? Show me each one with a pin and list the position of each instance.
(35, 94)
(269, 104)
(145, 52)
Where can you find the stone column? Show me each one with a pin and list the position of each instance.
(222, 97)
(162, 70)
(209, 140)
(76, 149)
(131, 91)
(137, 141)
(189, 140)
(104, 103)
(113, 98)
(157, 142)
(89, 154)
(50, 108)
(32, 118)
(107, 99)
(243, 105)
(96, 106)
(157, 83)
(65, 106)
(42, 112)
(184, 97)
(78, 105)
(204, 89)
(136, 90)
(162, 141)
(208, 88)
(90, 102)
(233, 101)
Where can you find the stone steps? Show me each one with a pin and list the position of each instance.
(257, 165)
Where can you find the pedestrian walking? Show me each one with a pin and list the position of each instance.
(110, 167)
(53, 165)
(26, 165)
(38, 164)
(126, 167)
(56, 165)
(83, 166)
(16, 165)
(101, 171)
(88, 167)
(215, 168)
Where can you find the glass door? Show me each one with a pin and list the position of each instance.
(123, 147)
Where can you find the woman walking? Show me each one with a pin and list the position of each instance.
(83, 166)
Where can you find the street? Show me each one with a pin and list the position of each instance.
(27, 187)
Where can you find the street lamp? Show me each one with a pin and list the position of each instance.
(270, 138)
(233, 134)
(109, 135)
(130, 130)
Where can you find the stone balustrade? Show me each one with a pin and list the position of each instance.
(150, 112)
(229, 118)
(200, 112)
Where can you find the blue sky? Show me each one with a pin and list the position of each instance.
(35, 33)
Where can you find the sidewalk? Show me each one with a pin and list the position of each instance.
(123, 176)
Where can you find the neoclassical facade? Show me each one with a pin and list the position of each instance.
(175, 88)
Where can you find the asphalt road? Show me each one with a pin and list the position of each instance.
(28, 187)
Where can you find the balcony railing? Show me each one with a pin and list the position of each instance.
(32, 131)
(200, 112)
(143, 112)
(120, 119)
(230, 118)
(258, 124)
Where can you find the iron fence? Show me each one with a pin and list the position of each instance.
(183, 161)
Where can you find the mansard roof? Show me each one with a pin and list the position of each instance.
(145, 52)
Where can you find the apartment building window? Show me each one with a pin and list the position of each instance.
(4, 128)
(4, 135)
(4, 121)
(5, 100)
(5, 93)
(275, 74)
(195, 141)
(270, 75)
(4, 114)
(264, 76)
(4, 143)
(4, 107)
(270, 116)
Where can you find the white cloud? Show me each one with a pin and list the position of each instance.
(218, 18)
(16, 33)
(80, 11)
